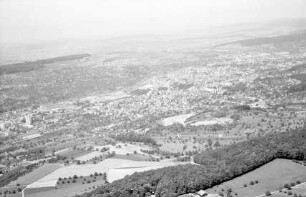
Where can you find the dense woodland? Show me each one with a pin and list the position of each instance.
(216, 167)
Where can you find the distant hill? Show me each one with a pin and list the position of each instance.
(270, 40)
(216, 166)
(38, 64)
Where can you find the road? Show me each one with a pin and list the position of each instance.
(22, 192)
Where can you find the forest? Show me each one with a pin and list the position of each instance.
(216, 166)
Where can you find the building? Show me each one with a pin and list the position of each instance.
(28, 119)
(201, 193)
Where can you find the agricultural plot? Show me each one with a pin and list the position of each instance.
(123, 149)
(89, 156)
(270, 177)
(36, 174)
(133, 157)
(73, 153)
(176, 119)
(298, 190)
(68, 190)
(104, 166)
(11, 192)
(61, 151)
(212, 121)
(116, 174)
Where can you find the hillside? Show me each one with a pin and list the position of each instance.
(217, 166)
(301, 36)
(269, 177)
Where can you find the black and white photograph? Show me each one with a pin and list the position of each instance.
(152, 98)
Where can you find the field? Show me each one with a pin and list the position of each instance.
(89, 156)
(270, 177)
(176, 119)
(104, 166)
(213, 121)
(132, 157)
(115, 174)
(73, 153)
(123, 149)
(36, 174)
(71, 190)
(61, 151)
(299, 189)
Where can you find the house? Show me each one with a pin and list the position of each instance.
(201, 193)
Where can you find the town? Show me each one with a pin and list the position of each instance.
(67, 141)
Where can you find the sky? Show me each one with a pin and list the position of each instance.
(41, 20)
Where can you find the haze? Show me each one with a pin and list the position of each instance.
(35, 20)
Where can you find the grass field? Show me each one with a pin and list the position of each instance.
(176, 119)
(35, 174)
(101, 167)
(133, 157)
(116, 174)
(11, 194)
(123, 149)
(270, 177)
(68, 190)
(89, 156)
(223, 120)
(296, 190)
(73, 153)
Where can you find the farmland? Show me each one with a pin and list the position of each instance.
(36, 174)
(104, 166)
(299, 190)
(64, 190)
(270, 177)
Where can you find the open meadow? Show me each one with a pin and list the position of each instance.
(270, 177)
(104, 166)
(36, 174)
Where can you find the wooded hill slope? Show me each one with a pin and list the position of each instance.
(216, 166)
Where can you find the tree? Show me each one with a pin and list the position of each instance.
(268, 193)
(217, 144)
(209, 142)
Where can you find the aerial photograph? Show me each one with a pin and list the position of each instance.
(152, 98)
